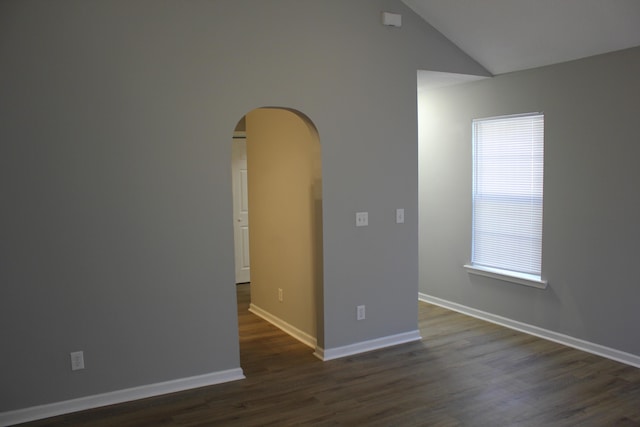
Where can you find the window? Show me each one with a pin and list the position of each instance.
(508, 166)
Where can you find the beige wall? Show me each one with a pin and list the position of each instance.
(283, 159)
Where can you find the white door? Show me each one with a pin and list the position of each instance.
(240, 209)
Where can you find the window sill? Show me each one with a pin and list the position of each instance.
(507, 276)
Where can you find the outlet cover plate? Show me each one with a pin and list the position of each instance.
(77, 360)
(362, 219)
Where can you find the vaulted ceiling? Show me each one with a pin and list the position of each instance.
(511, 35)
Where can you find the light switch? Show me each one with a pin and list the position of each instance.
(399, 216)
(362, 219)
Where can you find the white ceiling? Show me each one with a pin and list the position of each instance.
(511, 35)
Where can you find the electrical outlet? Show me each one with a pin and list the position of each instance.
(280, 295)
(77, 360)
(360, 312)
(362, 219)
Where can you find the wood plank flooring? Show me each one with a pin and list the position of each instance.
(465, 372)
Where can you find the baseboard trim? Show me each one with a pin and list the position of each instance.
(118, 396)
(296, 333)
(364, 346)
(577, 343)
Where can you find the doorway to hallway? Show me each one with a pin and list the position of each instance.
(280, 246)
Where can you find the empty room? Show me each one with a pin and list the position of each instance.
(443, 218)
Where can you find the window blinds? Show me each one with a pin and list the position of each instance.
(508, 159)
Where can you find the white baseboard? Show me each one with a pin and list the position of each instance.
(118, 396)
(589, 347)
(364, 346)
(296, 333)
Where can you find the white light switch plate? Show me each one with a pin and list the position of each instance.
(399, 216)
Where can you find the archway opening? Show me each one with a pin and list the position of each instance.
(279, 191)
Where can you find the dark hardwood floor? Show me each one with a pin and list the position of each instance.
(465, 372)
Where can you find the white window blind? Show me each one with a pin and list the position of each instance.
(508, 161)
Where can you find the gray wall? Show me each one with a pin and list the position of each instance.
(591, 200)
(116, 120)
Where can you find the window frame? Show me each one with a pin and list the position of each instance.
(504, 274)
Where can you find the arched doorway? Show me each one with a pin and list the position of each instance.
(284, 192)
